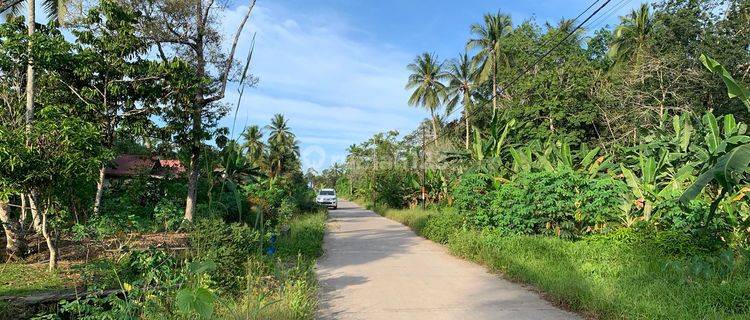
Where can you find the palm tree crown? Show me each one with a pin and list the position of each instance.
(461, 75)
(284, 146)
(279, 132)
(487, 38)
(632, 34)
(55, 9)
(429, 92)
(253, 137)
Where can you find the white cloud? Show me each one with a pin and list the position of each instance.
(335, 89)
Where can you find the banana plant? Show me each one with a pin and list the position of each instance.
(734, 88)
(727, 158)
(591, 160)
(655, 182)
(718, 141)
(437, 185)
(675, 140)
(522, 159)
(484, 148)
(729, 171)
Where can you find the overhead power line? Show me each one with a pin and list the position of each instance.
(596, 23)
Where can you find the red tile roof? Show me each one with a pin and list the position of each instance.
(171, 167)
(130, 165)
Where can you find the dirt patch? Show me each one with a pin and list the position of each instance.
(72, 252)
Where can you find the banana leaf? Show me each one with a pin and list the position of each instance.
(727, 171)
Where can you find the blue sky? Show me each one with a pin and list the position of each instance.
(336, 69)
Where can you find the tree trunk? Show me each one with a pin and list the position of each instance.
(192, 187)
(15, 244)
(197, 108)
(466, 119)
(35, 217)
(494, 90)
(51, 245)
(31, 24)
(99, 191)
(24, 210)
(434, 124)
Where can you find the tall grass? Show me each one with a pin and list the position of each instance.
(623, 275)
(283, 286)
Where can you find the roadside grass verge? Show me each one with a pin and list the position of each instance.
(621, 275)
(282, 286)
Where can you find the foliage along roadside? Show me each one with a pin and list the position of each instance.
(224, 276)
(627, 274)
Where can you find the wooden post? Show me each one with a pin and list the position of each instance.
(424, 194)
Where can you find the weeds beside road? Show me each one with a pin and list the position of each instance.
(627, 274)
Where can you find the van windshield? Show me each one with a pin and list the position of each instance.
(327, 193)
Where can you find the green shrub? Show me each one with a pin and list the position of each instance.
(228, 245)
(148, 278)
(305, 236)
(168, 215)
(562, 203)
(473, 195)
(394, 187)
(440, 227)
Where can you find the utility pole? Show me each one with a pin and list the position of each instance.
(351, 178)
(374, 167)
(424, 195)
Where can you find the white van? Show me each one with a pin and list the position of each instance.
(327, 197)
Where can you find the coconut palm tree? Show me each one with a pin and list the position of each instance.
(279, 131)
(55, 10)
(487, 38)
(425, 79)
(565, 27)
(461, 75)
(253, 144)
(282, 144)
(631, 36)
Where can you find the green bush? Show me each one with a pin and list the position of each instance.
(473, 195)
(690, 221)
(562, 203)
(394, 188)
(305, 236)
(228, 245)
(441, 227)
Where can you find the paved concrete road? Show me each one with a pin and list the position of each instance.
(375, 268)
